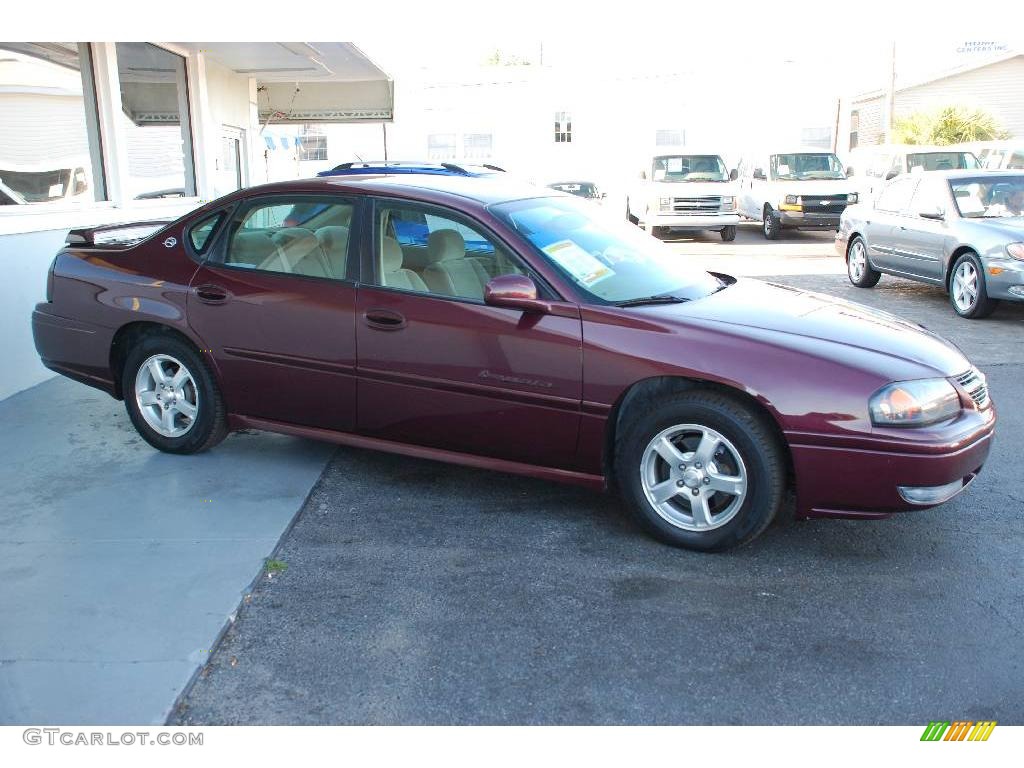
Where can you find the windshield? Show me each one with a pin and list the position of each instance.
(578, 188)
(802, 166)
(689, 168)
(942, 161)
(610, 260)
(984, 197)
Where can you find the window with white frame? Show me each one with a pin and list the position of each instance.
(477, 146)
(668, 137)
(563, 127)
(816, 137)
(49, 138)
(441, 146)
(312, 143)
(158, 128)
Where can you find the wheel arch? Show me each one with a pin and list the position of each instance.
(131, 333)
(960, 251)
(661, 386)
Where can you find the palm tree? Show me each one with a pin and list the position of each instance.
(949, 125)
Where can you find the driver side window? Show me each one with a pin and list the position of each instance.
(430, 252)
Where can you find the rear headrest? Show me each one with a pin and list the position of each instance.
(295, 235)
(391, 255)
(333, 238)
(444, 244)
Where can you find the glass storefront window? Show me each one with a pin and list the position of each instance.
(154, 101)
(49, 142)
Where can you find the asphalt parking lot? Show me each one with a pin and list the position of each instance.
(417, 592)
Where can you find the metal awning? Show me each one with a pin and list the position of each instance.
(309, 82)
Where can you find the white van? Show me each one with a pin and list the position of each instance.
(684, 190)
(803, 188)
(872, 166)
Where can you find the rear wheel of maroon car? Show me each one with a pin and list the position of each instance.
(701, 470)
(171, 396)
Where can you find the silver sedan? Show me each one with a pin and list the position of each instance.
(962, 230)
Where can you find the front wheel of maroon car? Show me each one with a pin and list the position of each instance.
(701, 470)
(171, 396)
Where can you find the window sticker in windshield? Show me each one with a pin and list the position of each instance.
(578, 263)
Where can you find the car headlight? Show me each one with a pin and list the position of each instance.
(728, 203)
(914, 403)
(1016, 250)
(851, 199)
(792, 200)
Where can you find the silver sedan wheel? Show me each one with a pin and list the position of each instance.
(693, 477)
(965, 286)
(858, 261)
(167, 395)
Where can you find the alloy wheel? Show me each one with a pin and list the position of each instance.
(693, 477)
(167, 396)
(858, 261)
(965, 286)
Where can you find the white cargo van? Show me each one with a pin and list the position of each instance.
(803, 188)
(684, 190)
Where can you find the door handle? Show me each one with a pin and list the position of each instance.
(384, 319)
(211, 294)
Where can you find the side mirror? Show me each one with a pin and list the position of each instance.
(936, 214)
(514, 292)
(759, 174)
(891, 175)
(733, 175)
(849, 170)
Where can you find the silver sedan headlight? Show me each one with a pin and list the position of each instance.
(914, 403)
(1016, 250)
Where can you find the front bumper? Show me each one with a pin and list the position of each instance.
(809, 220)
(1008, 282)
(685, 221)
(873, 481)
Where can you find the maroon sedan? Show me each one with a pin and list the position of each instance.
(498, 325)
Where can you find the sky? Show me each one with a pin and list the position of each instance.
(844, 66)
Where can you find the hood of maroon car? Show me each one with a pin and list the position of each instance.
(822, 322)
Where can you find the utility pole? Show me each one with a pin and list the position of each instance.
(891, 123)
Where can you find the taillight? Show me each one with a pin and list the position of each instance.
(49, 282)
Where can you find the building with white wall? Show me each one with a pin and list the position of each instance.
(994, 83)
(96, 133)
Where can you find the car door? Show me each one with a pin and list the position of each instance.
(275, 302)
(921, 239)
(440, 368)
(883, 222)
(752, 187)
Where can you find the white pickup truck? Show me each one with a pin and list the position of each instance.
(799, 189)
(684, 190)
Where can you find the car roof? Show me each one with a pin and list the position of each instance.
(973, 173)
(484, 190)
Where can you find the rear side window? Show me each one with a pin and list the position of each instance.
(200, 234)
(308, 238)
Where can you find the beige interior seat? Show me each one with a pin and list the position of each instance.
(448, 271)
(394, 275)
(334, 244)
(256, 249)
(302, 252)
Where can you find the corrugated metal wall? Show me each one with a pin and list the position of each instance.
(997, 88)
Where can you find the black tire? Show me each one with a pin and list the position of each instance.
(209, 426)
(728, 234)
(749, 432)
(630, 217)
(982, 305)
(870, 276)
(770, 224)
